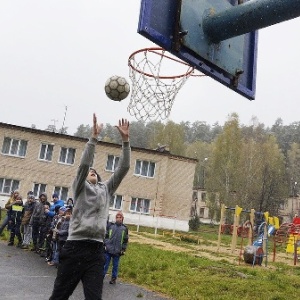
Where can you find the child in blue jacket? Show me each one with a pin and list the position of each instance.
(115, 244)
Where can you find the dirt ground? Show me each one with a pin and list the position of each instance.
(211, 251)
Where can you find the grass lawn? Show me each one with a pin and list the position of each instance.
(185, 276)
(188, 274)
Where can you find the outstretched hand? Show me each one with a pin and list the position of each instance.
(97, 128)
(123, 128)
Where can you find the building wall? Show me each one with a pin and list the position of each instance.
(145, 187)
(289, 209)
(170, 190)
(178, 180)
(30, 169)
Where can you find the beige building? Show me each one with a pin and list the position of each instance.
(157, 191)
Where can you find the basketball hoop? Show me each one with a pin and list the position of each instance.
(153, 90)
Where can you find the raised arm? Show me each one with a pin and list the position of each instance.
(97, 128)
(124, 162)
(87, 157)
(123, 128)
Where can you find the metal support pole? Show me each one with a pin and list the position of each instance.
(247, 17)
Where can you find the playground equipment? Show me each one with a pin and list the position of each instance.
(289, 234)
(256, 250)
(253, 255)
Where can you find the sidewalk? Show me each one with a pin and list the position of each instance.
(26, 276)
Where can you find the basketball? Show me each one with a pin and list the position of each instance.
(117, 88)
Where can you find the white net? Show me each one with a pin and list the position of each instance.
(153, 92)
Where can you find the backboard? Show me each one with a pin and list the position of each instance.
(176, 26)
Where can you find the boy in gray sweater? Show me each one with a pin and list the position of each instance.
(82, 257)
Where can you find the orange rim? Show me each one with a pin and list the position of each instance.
(155, 51)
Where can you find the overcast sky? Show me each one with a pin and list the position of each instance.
(58, 53)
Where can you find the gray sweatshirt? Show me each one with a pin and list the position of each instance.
(91, 201)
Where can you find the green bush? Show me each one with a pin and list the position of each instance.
(194, 223)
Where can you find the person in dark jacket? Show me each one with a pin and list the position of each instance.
(49, 236)
(61, 233)
(45, 229)
(55, 227)
(70, 203)
(15, 214)
(45, 224)
(37, 218)
(115, 244)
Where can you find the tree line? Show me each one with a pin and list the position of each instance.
(251, 166)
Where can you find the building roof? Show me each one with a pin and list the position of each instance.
(72, 137)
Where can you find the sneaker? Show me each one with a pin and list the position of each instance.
(10, 244)
(25, 247)
(113, 281)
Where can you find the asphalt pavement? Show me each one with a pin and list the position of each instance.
(26, 276)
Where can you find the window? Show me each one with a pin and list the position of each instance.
(195, 196)
(39, 188)
(115, 202)
(144, 168)
(62, 192)
(8, 185)
(14, 147)
(46, 152)
(201, 213)
(112, 162)
(282, 205)
(67, 155)
(203, 197)
(140, 205)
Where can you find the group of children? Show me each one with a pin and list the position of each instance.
(38, 223)
(43, 228)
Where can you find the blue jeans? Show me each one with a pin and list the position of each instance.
(57, 246)
(55, 253)
(115, 264)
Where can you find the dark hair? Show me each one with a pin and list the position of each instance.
(56, 208)
(43, 194)
(70, 199)
(70, 208)
(98, 176)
